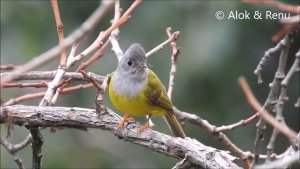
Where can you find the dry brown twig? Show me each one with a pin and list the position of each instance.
(22, 85)
(90, 78)
(60, 31)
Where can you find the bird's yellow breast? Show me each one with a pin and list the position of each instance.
(137, 104)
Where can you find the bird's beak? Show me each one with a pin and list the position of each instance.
(144, 65)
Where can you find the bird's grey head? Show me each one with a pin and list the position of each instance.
(133, 61)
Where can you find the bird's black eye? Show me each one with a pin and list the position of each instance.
(129, 63)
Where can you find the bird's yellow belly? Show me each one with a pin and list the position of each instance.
(135, 105)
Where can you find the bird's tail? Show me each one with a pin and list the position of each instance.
(174, 125)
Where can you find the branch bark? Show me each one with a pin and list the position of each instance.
(198, 154)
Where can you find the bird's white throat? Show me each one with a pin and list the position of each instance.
(129, 85)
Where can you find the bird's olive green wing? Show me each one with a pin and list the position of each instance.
(109, 78)
(156, 93)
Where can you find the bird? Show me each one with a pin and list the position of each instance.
(134, 89)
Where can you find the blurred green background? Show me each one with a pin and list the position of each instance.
(214, 54)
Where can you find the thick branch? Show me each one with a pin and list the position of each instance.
(199, 154)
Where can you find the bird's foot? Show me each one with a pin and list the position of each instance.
(144, 127)
(125, 119)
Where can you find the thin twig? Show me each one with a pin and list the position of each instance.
(238, 124)
(25, 97)
(175, 53)
(95, 83)
(273, 94)
(94, 58)
(60, 31)
(114, 36)
(173, 38)
(22, 85)
(268, 54)
(280, 104)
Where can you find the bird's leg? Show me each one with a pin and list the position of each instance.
(125, 120)
(146, 125)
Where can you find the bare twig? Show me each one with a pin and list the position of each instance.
(293, 70)
(22, 85)
(175, 53)
(200, 155)
(281, 101)
(273, 94)
(114, 36)
(95, 57)
(20, 99)
(238, 124)
(173, 38)
(95, 83)
(60, 31)
(268, 54)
